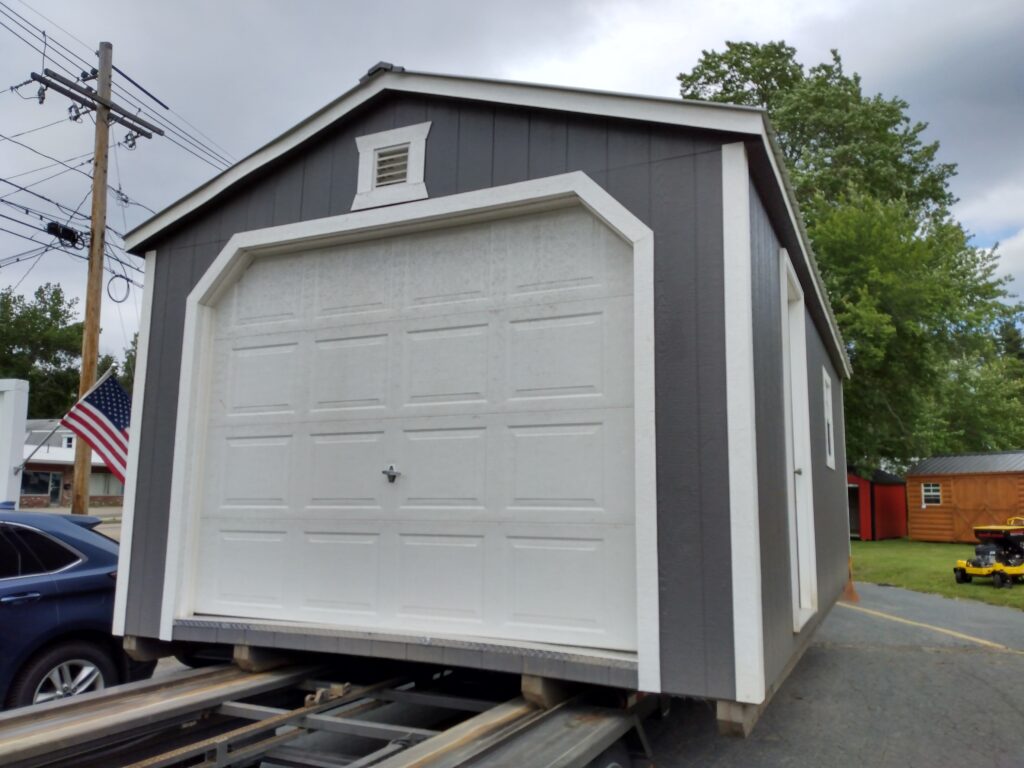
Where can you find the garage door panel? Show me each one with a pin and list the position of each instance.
(492, 364)
(346, 472)
(270, 291)
(245, 567)
(350, 372)
(447, 468)
(256, 471)
(447, 363)
(447, 268)
(559, 582)
(433, 581)
(574, 351)
(354, 281)
(336, 574)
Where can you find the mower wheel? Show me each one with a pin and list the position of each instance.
(1000, 580)
(961, 576)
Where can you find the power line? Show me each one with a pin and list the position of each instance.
(41, 127)
(20, 188)
(43, 154)
(40, 33)
(30, 43)
(209, 156)
(53, 165)
(118, 192)
(58, 248)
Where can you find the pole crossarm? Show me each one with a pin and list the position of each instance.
(91, 94)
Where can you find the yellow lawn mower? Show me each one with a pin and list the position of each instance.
(999, 555)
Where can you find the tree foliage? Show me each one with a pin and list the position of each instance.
(41, 342)
(926, 320)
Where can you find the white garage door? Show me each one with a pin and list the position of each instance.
(490, 364)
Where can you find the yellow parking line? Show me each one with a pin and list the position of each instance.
(933, 628)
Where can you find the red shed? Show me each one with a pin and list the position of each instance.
(878, 507)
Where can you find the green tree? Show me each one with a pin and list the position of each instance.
(917, 304)
(835, 139)
(41, 341)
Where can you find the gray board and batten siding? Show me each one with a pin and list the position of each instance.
(831, 530)
(669, 177)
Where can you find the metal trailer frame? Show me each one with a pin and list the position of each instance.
(208, 717)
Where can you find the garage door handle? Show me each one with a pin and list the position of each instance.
(28, 597)
(392, 472)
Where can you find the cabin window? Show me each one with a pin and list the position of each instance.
(830, 431)
(391, 165)
(931, 494)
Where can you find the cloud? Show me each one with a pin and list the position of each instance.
(244, 72)
(1011, 260)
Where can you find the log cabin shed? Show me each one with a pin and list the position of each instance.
(496, 375)
(948, 495)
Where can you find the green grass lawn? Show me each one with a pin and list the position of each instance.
(926, 567)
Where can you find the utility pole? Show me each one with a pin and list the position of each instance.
(106, 112)
(94, 287)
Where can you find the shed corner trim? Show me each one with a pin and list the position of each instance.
(748, 621)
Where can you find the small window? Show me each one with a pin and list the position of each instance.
(931, 494)
(830, 431)
(50, 554)
(69, 441)
(35, 483)
(391, 165)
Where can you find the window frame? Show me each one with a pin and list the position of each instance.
(937, 492)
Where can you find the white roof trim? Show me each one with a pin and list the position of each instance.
(691, 114)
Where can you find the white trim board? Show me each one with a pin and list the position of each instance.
(132, 478)
(494, 202)
(744, 517)
(693, 114)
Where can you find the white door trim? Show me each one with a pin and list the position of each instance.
(132, 476)
(744, 516)
(494, 202)
(800, 499)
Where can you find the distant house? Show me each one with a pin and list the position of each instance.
(878, 505)
(46, 479)
(948, 495)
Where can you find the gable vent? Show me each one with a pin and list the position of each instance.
(392, 166)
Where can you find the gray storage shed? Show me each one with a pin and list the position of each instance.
(495, 375)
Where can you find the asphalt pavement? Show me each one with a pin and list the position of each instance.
(874, 690)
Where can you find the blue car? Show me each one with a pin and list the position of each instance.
(56, 609)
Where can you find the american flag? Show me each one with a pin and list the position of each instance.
(101, 419)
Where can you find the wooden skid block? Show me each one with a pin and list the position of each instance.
(254, 659)
(737, 719)
(545, 692)
(147, 649)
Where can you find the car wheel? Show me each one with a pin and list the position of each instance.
(65, 670)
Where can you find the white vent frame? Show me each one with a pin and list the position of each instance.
(368, 194)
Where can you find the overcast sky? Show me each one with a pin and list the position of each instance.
(243, 72)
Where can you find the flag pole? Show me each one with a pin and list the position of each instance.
(28, 458)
